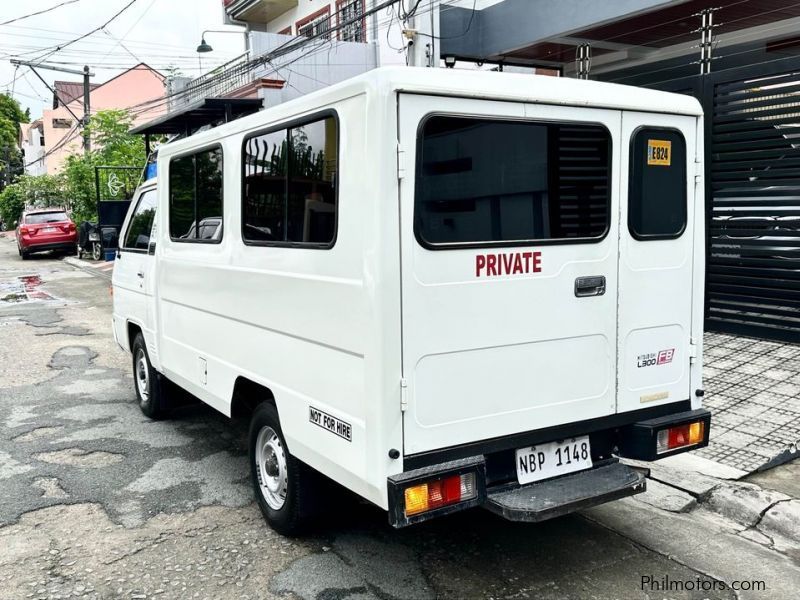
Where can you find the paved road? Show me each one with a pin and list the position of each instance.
(98, 501)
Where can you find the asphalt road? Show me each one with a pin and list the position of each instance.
(97, 501)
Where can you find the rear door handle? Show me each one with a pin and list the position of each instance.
(594, 285)
(140, 274)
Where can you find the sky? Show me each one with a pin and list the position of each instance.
(160, 33)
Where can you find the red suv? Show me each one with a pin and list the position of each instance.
(46, 229)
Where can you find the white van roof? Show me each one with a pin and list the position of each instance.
(488, 85)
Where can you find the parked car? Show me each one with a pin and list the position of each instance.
(45, 229)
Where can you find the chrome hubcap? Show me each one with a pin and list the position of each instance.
(272, 469)
(142, 376)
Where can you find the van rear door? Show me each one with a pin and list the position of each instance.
(657, 244)
(509, 245)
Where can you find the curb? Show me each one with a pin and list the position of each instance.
(87, 267)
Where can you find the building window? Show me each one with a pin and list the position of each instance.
(657, 190)
(316, 24)
(138, 236)
(544, 181)
(195, 197)
(351, 20)
(290, 178)
(62, 123)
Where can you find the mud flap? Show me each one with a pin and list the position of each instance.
(556, 497)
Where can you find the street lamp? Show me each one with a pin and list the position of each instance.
(206, 47)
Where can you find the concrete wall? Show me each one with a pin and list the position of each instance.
(131, 87)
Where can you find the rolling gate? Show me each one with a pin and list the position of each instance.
(752, 197)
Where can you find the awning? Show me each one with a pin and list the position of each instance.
(211, 111)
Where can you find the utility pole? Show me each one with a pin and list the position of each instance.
(87, 138)
(86, 74)
(423, 35)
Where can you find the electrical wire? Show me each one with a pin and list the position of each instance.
(41, 12)
(50, 52)
(120, 40)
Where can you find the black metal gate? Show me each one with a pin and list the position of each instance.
(752, 137)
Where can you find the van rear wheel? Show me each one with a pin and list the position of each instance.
(284, 487)
(147, 381)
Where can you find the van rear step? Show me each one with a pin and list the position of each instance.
(556, 497)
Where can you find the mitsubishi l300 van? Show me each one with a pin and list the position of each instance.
(440, 289)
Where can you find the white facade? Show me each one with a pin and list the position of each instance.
(408, 346)
(33, 148)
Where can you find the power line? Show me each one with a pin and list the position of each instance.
(85, 35)
(41, 12)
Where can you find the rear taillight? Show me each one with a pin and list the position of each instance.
(679, 436)
(438, 493)
(23, 230)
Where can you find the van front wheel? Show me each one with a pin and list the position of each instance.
(283, 485)
(147, 381)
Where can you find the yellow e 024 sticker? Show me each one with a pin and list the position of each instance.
(659, 153)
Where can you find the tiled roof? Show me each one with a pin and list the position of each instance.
(67, 91)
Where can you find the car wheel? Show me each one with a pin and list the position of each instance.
(147, 381)
(24, 254)
(284, 487)
(97, 251)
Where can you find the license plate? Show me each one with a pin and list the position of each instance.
(553, 459)
(49, 229)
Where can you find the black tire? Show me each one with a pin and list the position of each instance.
(147, 382)
(97, 251)
(299, 507)
(24, 254)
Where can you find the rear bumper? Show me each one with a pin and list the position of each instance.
(43, 247)
(495, 468)
(556, 497)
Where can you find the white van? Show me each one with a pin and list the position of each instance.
(438, 288)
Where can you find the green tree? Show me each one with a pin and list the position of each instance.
(112, 146)
(40, 191)
(11, 115)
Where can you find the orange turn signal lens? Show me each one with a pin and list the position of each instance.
(696, 432)
(416, 499)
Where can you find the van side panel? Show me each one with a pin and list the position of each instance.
(296, 320)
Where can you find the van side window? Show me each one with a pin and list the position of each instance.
(657, 189)
(489, 181)
(289, 185)
(195, 197)
(138, 235)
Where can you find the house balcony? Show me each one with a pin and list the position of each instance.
(257, 12)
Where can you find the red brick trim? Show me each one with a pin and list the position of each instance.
(286, 31)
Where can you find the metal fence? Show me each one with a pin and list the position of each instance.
(752, 134)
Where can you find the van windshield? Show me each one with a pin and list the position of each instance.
(46, 217)
(492, 181)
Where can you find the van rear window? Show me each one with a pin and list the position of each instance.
(486, 181)
(657, 192)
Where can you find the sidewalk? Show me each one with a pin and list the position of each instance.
(753, 392)
(100, 268)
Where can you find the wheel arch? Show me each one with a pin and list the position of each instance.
(132, 329)
(247, 394)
